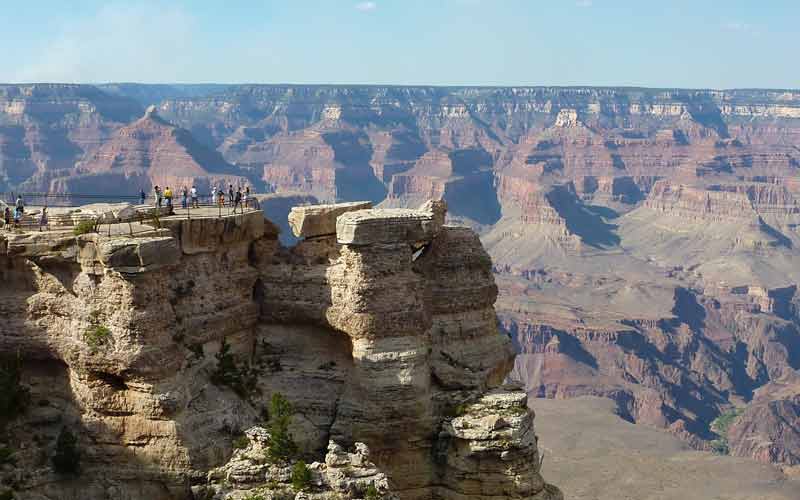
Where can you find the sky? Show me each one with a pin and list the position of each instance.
(651, 43)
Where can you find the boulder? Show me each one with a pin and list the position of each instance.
(391, 225)
(320, 220)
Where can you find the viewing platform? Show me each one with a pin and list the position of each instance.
(129, 238)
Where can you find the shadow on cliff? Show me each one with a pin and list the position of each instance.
(581, 221)
(472, 193)
(355, 179)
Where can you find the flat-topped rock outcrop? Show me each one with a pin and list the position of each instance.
(157, 349)
(320, 220)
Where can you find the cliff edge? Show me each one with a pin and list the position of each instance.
(154, 359)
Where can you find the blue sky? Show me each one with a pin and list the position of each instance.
(655, 43)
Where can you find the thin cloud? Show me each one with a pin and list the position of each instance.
(119, 42)
(584, 3)
(741, 27)
(366, 6)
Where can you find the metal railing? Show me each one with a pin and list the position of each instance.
(147, 214)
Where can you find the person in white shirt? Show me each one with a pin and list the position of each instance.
(193, 194)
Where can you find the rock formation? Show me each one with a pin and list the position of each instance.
(644, 240)
(158, 350)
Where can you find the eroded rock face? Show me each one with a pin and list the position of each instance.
(320, 220)
(379, 341)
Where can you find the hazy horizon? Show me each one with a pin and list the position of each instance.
(401, 85)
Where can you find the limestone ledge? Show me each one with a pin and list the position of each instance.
(320, 220)
(140, 251)
(391, 225)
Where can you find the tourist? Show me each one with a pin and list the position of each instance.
(168, 198)
(142, 197)
(237, 201)
(157, 192)
(43, 220)
(247, 197)
(221, 197)
(7, 217)
(17, 216)
(230, 194)
(20, 205)
(195, 202)
(184, 197)
(214, 192)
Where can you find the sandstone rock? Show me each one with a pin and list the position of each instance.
(370, 345)
(320, 220)
(365, 227)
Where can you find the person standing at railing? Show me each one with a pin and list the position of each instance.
(221, 197)
(184, 197)
(168, 198)
(17, 216)
(237, 201)
(247, 197)
(142, 196)
(20, 205)
(157, 192)
(213, 198)
(7, 218)
(43, 220)
(230, 194)
(195, 201)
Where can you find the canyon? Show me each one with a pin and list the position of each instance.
(643, 241)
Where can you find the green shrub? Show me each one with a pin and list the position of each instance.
(67, 457)
(281, 447)
(301, 476)
(14, 397)
(371, 493)
(720, 447)
(255, 496)
(720, 426)
(242, 380)
(96, 336)
(241, 443)
(84, 227)
(6, 455)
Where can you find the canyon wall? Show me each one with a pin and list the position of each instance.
(644, 240)
(381, 334)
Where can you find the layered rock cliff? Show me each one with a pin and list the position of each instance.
(652, 232)
(158, 350)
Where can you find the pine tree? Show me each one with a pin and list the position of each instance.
(281, 444)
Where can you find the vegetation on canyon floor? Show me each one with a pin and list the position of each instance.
(720, 426)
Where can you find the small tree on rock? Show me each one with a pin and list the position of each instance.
(301, 476)
(281, 446)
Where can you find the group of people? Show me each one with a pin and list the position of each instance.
(237, 199)
(13, 219)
